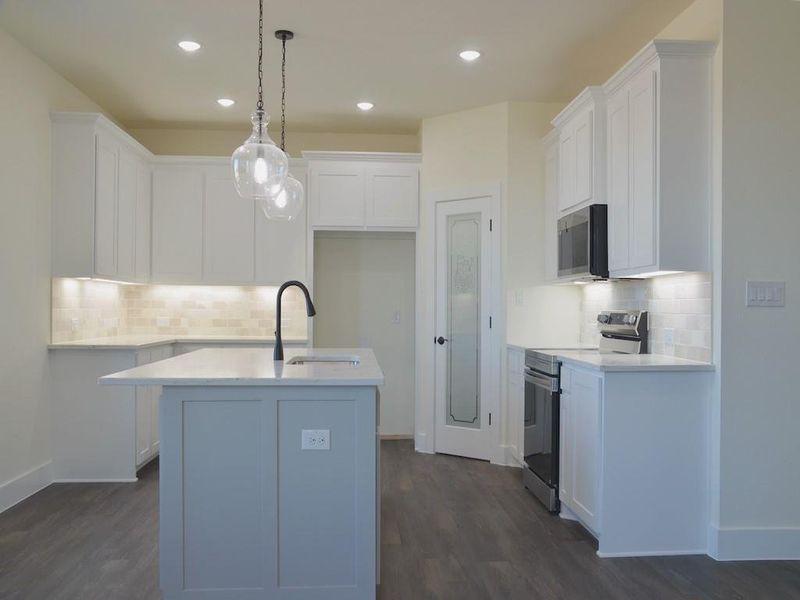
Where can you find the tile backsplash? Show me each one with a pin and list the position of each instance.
(679, 306)
(84, 309)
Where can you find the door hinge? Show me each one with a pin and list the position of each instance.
(490, 224)
(490, 419)
(490, 322)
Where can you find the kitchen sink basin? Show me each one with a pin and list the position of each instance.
(349, 359)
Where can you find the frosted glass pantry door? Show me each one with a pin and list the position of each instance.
(463, 268)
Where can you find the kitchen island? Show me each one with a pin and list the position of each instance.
(268, 475)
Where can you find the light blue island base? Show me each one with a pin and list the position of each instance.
(245, 512)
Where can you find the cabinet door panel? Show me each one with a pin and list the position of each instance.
(105, 211)
(392, 195)
(229, 231)
(551, 213)
(143, 408)
(566, 163)
(177, 224)
(618, 180)
(281, 245)
(584, 158)
(337, 194)
(142, 224)
(585, 418)
(126, 215)
(566, 443)
(643, 218)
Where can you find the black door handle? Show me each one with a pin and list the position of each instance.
(440, 340)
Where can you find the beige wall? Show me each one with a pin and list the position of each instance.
(496, 144)
(760, 213)
(29, 90)
(364, 293)
(222, 142)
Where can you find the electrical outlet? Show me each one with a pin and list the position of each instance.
(669, 336)
(75, 322)
(315, 439)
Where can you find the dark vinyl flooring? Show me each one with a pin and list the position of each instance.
(452, 528)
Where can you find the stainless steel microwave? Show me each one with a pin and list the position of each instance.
(583, 242)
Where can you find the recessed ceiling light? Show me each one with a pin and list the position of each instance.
(226, 102)
(189, 46)
(469, 55)
(365, 105)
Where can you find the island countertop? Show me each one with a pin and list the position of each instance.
(254, 367)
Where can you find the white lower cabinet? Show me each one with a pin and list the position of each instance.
(147, 398)
(581, 445)
(515, 394)
(633, 453)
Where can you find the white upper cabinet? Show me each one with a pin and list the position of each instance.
(658, 156)
(581, 126)
(177, 224)
(392, 195)
(228, 230)
(281, 245)
(337, 191)
(204, 232)
(101, 200)
(551, 147)
(363, 190)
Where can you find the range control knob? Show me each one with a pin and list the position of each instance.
(603, 318)
(631, 319)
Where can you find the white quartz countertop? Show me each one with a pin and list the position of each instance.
(138, 341)
(631, 362)
(254, 366)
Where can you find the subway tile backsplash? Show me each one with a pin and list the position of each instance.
(83, 309)
(679, 307)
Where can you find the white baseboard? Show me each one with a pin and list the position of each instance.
(396, 436)
(512, 457)
(23, 486)
(422, 444)
(124, 480)
(651, 553)
(754, 543)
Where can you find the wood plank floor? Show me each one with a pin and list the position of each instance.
(452, 529)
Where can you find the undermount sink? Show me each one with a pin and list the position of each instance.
(350, 359)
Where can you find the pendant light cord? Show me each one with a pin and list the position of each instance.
(283, 96)
(260, 103)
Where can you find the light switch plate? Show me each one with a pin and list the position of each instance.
(766, 293)
(315, 439)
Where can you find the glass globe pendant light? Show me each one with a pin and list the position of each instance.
(259, 166)
(287, 203)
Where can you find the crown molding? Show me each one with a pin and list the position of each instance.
(594, 94)
(655, 50)
(410, 157)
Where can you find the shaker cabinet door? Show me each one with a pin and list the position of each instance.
(105, 209)
(177, 224)
(392, 192)
(228, 231)
(337, 194)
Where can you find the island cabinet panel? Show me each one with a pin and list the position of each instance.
(247, 514)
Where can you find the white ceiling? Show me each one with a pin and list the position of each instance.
(400, 54)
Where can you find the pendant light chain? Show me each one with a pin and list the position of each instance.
(283, 96)
(260, 103)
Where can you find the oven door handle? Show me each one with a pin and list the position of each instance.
(540, 380)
